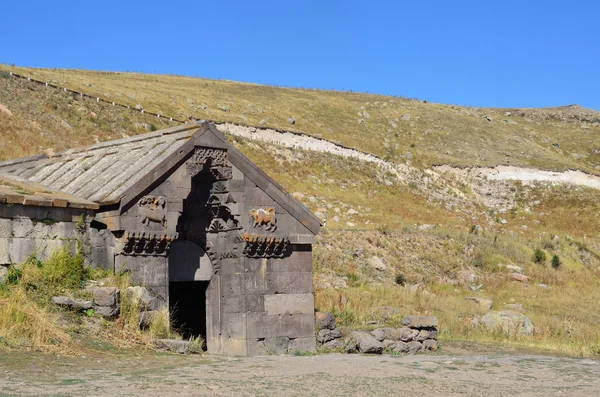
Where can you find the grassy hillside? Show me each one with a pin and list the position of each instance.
(396, 128)
(434, 232)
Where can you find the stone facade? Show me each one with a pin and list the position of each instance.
(206, 231)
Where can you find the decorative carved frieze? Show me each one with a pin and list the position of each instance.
(217, 157)
(265, 246)
(146, 243)
(264, 218)
(152, 209)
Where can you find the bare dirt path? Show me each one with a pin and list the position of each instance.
(441, 374)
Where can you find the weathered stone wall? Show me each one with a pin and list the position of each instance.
(39, 231)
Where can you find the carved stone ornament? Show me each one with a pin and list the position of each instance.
(264, 218)
(152, 209)
(265, 246)
(218, 161)
(147, 243)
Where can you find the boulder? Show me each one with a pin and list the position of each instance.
(420, 321)
(423, 335)
(382, 333)
(334, 344)
(509, 322)
(75, 304)
(516, 269)
(377, 263)
(106, 296)
(142, 296)
(326, 335)
(107, 311)
(173, 345)
(430, 344)
(324, 320)
(484, 303)
(4, 110)
(365, 343)
(399, 347)
(519, 277)
(414, 347)
(406, 334)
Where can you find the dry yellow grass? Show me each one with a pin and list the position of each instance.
(432, 133)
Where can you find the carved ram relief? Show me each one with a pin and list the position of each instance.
(152, 209)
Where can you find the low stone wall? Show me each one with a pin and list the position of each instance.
(37, 231)
(418, 333)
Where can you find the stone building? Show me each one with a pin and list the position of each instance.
(189, 217)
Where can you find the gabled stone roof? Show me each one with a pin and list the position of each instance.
(119, 171)
(101, 173)
(16, 190)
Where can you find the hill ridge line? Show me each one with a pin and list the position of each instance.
(319, 144)
(158, 115)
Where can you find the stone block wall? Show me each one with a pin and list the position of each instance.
(40, 231)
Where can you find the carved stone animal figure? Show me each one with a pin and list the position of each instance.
(152, 209)
(264, 217)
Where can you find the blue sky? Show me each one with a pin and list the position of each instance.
(501, 54)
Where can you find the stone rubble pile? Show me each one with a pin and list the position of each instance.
(418, 333)
(329, 337)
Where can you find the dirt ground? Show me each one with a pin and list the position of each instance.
(451, 372)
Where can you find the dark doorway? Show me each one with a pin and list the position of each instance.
(187, 304)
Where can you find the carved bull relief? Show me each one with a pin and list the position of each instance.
(264, 218)
(152, 209)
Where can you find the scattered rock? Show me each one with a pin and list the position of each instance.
(173, 345)
(420, 321)
(519, 277)
(69, 303)
(93, 115)
(515, 268)
(382, 333)
(364, 343)
(398, 347)
(509, 322)
(335, 218)
(4, 110)
(141, 296)
(326, 335)
(430, 344)
(484, 303)
(351, 212)
(543, 286)
(350, 224)
(426, 227)
(139, 107)
(406, 117)
(377, 263)
(223, 107)
(106, 311)
(334, 344)
(106, 296)
(298, 196)
(291, 120)
(325, 320)
(414, 347)
(405, 334)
